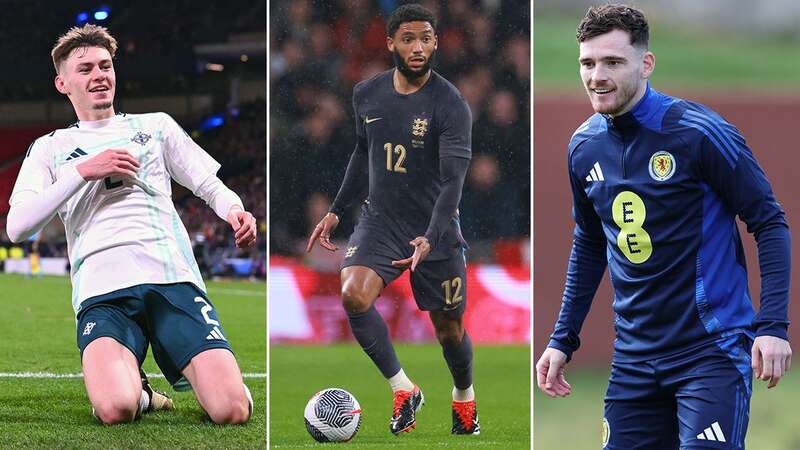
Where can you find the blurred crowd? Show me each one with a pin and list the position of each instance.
(156, 42)
(239, 145)
(320, 50)
(158, 56)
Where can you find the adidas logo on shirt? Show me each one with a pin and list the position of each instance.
(77, 153)
(596, 174)
(712, 433)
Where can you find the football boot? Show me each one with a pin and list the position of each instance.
(406, 405)
(465, 418)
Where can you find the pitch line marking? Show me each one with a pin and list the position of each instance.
(62, 280)
(80, 375)
(240, 292)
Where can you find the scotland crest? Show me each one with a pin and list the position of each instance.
(662, 166)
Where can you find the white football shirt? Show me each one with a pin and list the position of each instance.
(122, 232)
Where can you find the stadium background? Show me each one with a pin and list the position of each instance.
(318, 51)
(739, 58)
(206, 69)
(204, 65)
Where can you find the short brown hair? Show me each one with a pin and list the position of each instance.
(606, 18)
(88, 35)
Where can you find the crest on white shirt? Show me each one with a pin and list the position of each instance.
(140, 138)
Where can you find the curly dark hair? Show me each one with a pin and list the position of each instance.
(606, 18)
(411, 12)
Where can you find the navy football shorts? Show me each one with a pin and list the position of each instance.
(177, 320)
(438, 285)
(696, 399)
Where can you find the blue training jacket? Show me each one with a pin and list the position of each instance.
(655, 195)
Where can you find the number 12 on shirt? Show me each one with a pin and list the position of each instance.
(401, 156)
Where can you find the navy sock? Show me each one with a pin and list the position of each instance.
(459, 360)
(371, 332)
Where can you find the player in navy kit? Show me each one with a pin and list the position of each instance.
(413, 149)
(657, 183)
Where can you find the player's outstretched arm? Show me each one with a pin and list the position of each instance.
(452, 171)
(356, 179)
(192, 167)
(36, 200)
(587, 264)
(227, 205)
(355, 182)
(323, 232)
(772, 358)
(550, 373)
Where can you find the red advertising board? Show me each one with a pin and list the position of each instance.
(304, 306)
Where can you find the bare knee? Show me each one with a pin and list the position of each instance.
(217, 383)
(116, 409)
(356, 299)
(360, 287)
(232, 410)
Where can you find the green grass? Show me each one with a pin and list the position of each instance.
(685, 59)
(38, 335)
(575, 421)
(502, 387)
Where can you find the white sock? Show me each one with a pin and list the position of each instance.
(465, 395)
(249, 399)
(144, 403)
(400, 382)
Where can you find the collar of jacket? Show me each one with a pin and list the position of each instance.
(642, 113)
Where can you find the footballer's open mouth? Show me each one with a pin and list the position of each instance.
(604, 90)
(100, 89)
(416, 61)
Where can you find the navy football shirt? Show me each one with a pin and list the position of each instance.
(405, 137)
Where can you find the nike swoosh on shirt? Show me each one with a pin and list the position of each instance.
(368, 120)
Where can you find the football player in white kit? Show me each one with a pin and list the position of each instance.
(134, 278)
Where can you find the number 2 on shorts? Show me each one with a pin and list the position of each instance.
(216, 333)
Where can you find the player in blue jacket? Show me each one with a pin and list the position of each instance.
(657, 182)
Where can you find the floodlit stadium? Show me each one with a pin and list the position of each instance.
(205, 67)
(318, 52)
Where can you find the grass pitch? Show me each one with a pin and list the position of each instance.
(686, 59)
(502, 388)
(576, 421)
(38, 335)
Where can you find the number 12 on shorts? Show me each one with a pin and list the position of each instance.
(452, 291)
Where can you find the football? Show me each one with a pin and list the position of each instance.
(332, 415)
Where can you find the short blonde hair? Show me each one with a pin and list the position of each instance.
(88, 35)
